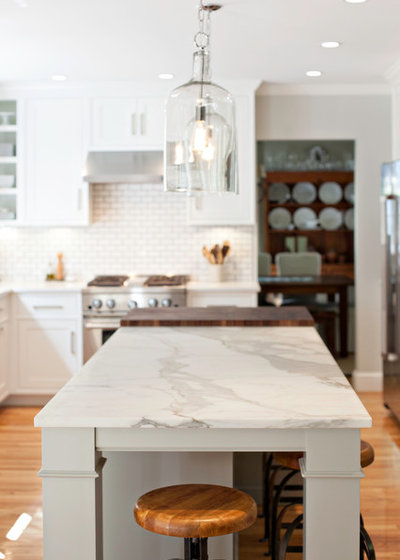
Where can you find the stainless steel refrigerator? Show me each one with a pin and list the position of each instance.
(390, 234)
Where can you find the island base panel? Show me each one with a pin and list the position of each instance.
(128, 475)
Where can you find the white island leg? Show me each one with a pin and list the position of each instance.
(332, 472)
(72, 500)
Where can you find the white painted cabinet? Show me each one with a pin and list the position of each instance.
(55, 154)
(238, 294)
(48, 341)
(4, 348)
(121, 123)
(47, 356)
(230, 209)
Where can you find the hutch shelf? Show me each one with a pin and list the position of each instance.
(336, 246)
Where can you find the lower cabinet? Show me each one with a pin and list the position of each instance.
(219, 297)
(4, 355)
(47, 353)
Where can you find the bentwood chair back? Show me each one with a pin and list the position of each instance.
(298, 264)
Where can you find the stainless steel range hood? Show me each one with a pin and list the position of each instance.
(124, 167)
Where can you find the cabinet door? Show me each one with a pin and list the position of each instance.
(55, 155)
(151, 123)
(47, 354)
(230, 209)
(123, 123)
(3, 360)
(115, 123)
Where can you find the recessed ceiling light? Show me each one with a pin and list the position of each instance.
(330, 44)
(165, 76)
(314, 73)
(355, 1)
(59, 77)
(21, 3)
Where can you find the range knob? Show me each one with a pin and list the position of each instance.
(153, 302)
(132, 304)
(97, 303)
(110, 303)
(166, 302)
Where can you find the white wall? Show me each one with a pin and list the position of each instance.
(366, 119)
(136, 229)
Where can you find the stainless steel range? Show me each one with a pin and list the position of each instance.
(108, 298)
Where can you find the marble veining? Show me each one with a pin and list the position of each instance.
(208, 377)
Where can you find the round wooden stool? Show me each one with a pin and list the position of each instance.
(195, 512)
(290, 460)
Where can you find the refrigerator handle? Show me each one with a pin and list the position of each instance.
(389, 241)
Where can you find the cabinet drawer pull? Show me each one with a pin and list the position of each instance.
(48, 307)
(79, 201)
(72, 341)
(133, 124)
(142, 124)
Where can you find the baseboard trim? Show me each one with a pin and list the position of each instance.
(367, 380)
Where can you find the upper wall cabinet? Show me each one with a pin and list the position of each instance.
(125, 123)
(230, 209)
(55, 154)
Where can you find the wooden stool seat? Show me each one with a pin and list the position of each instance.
(195, 510)
(290, 459)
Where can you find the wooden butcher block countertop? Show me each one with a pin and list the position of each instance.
(218, 316)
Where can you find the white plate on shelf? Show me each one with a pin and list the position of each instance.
(278, 192)
(304, 193)
(6, 181)
(349, 192)
(305, 218)
(6, 117)
(6, 214)
(279, 218)
(330, 218)
(330, 192)
(349, 218)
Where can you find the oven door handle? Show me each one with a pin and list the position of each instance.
(103, 325)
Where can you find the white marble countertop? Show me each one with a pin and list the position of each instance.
(194, 286)
(208, 377)
(30, 286)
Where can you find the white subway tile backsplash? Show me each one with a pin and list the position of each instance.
(136, 229)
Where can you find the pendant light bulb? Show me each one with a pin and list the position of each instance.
(200, 150)
(199, 141)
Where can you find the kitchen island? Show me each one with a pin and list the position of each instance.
(196, 392)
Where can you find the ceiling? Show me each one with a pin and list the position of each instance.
(272, 40)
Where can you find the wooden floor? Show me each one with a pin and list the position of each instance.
(20, 487)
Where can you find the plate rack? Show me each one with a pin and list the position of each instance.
(337, 246)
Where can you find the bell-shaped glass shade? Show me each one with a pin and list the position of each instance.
(200, 151)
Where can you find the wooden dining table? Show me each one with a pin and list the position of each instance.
(305, 285)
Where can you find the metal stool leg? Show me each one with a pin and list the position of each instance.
(267, 464)
(274, 512)
(288, 535)
(279, 525)
(196, 549)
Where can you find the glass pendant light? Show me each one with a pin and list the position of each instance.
(200, 151)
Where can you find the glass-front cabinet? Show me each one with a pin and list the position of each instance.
(8, 160)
